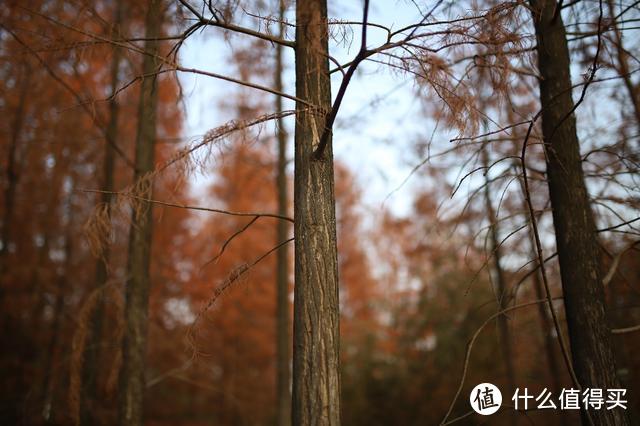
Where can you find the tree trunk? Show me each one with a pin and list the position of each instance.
(131, 392)
(316, 334)
(589, 333)
(546, 320)
(89, 393)
(622, 64)
(282, 302)
(501, 285)
(12, 178)
(53, 349)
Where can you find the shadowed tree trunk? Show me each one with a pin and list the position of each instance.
(316, 362)
(53, 351)
(282, 272)
(578, 253)
(546, 325)
(131, 392)
(12, 176)
(89, 393)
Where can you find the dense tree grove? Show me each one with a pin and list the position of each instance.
(274, 270)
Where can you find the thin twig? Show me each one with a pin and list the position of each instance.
(229, 240)
(467, 356)
(543, 270)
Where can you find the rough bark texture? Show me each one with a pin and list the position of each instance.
(131, 392)
(578, 253)
(282, 303)
(316, 362)
(91, 364)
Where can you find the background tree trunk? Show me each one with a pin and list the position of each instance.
(131, 392)
(51, 355)
(545, 319)
(578, 253)
(89, 393)
(12, 177)
(316, 361)
(501, 284)
(282, 272)
(622, 64)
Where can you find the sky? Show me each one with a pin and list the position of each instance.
(381, 119)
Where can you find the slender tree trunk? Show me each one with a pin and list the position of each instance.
(623, 65)
(12, 178)
(501, 284)
(546, 325)
(131, 392)
(89, 393)
(50, 373)
(316, 333)
(578, 253)
(52, 351)
(282, 303)
(546, 321)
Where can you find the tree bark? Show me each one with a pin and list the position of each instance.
(316, 362)
(89, 393)
(578, 253)
(283, 394)
(131, 392)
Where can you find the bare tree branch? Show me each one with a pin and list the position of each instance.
(188, 207)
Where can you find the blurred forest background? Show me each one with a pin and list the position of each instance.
(147, 202)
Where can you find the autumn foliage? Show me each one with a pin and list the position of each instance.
(431, 290)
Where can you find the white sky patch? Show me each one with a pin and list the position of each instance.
(180, 311)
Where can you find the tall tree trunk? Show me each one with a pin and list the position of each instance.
(89, 393)
(283, 394)
(622, 64)
(131, 392)
(316, 333)
(501, 284)
(12, 177)
(53, 350)
(578, 253)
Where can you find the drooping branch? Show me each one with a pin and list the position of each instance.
(189, 207)
(234, 276)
